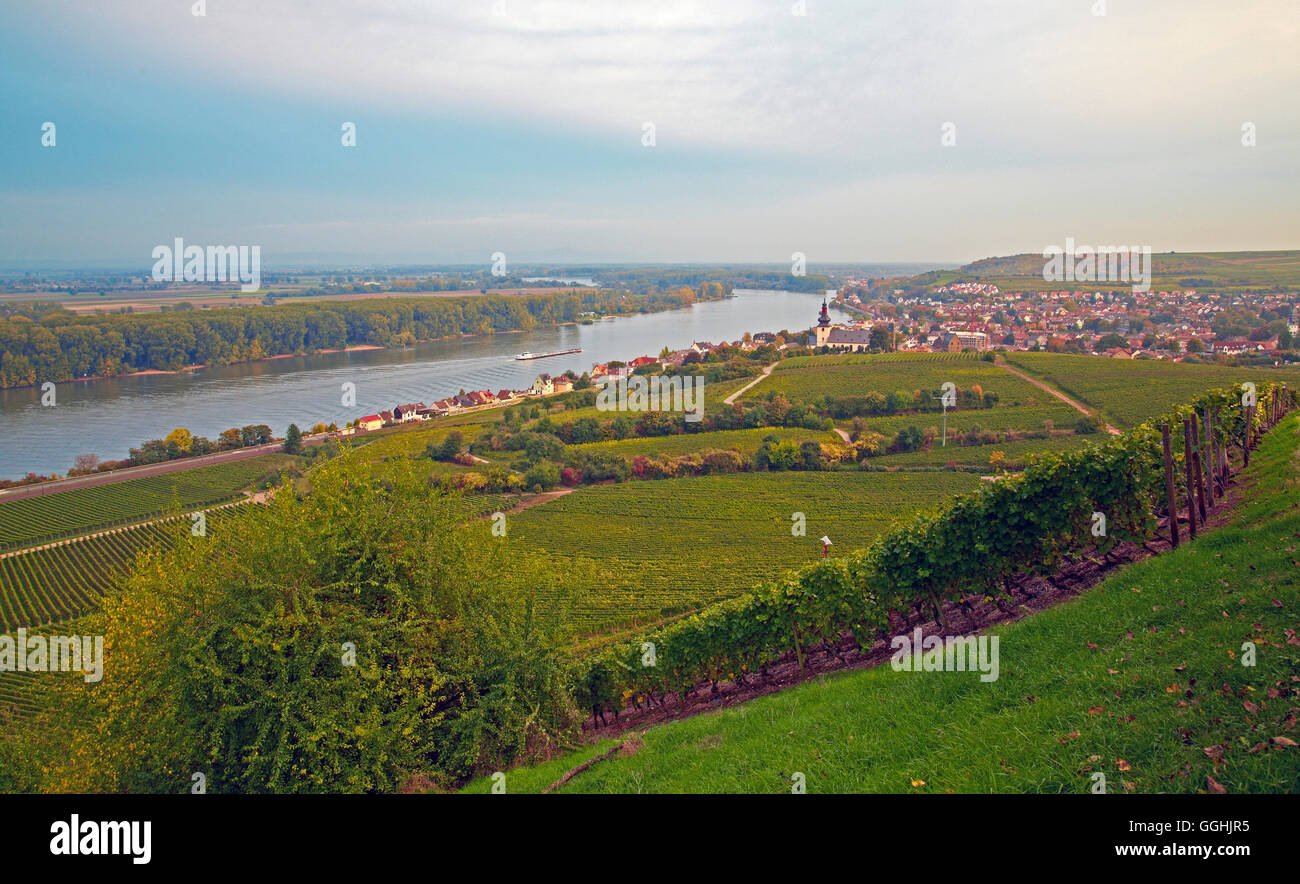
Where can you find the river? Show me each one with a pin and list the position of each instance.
(106, 417)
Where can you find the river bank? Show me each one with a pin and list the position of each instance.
(114, 414)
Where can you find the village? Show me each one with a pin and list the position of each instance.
(1169, 325)
(1175, 326)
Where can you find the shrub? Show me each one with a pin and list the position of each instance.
(230, 657)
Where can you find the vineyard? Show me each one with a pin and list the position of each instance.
(1015, 453)
(978, 546)
(18, 694)
(34, 520)
(56, 583)
(1024, 417)
(745, 441)
(646, 550)
(807, 378)
(1131, 391)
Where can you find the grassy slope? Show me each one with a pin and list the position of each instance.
(1223, 272)
(1163, 684)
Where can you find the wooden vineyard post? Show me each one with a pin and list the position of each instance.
(1170, 497)
(1208, 448)
(1197, 472)
(1223, 454)
(1245, 447)
(1189, 458)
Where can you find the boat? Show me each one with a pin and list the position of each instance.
(528, 355)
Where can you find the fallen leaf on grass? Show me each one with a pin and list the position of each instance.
(1214, 787)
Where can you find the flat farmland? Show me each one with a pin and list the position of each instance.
(807, 378)
(641, 551)
(1131, 391)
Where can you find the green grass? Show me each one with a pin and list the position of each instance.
(644, 550)
(80, 510)
(1130, 391)
(1136, 679)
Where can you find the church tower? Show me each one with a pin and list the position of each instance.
(823, 329)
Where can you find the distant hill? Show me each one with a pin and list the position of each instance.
(1218, 271)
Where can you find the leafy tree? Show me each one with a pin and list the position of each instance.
(181, 438)
(293, 440)
(543, 474)
(347, 641)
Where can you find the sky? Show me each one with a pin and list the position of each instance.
(521, 127)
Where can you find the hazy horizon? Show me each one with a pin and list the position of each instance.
(871, 132)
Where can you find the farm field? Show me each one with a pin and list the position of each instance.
(17, 694)
(1097, 683)
(1024, 417)
(66, 513)
(978, 455)
(1130, 391)
(645, 550)
(713, 396)
(55, 584)
(746, 441)
(806, 378)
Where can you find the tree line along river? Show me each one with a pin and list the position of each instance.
(108, 416)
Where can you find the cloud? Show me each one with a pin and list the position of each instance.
(749, 73)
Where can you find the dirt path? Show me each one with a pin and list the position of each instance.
(844, 434)
(734, 396)
(538, 500)
(1057, 393)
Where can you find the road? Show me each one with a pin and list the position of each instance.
(734, 396)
